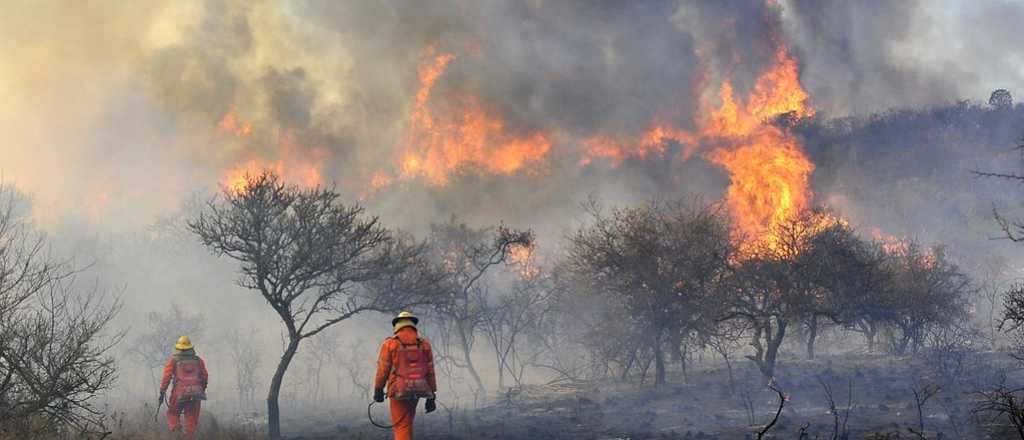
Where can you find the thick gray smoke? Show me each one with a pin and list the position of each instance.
(115, 116)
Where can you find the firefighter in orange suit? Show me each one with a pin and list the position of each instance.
(406, 366)
(188, 374)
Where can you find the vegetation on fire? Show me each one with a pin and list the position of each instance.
(635, 295)
(636, 287)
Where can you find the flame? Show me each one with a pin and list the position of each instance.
(440, 143)
(379, 181)
(236, 178)
(231, 123)
(904, 248)
(616, 150)
(525, 259)
(296, 165)
(768, 170)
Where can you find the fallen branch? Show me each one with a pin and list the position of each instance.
(782, 404)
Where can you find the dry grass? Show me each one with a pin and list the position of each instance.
(139, 424)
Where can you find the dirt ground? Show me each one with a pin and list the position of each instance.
(704, 407)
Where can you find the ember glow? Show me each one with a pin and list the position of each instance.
(297, 166)
(525, 259)
(232, 124)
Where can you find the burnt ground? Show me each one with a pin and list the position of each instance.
(704, 407)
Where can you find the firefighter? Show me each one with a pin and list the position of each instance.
(406, 366)
(188, 374)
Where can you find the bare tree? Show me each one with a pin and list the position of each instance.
(354, 365)
(321, 351)
(467, 254)
(314, 260)
(247, 357)
(724, 340)
(54, 340)
(782, 404)
(1012, 320)
(922, 394)
(1001, 99)
(509, 321)
(928, 289)
(1001, 402)
(839, 420)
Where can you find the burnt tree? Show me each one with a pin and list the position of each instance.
(661, 262)
(467, 255)
(316, 261)
(928, 290)
(55, 339)
(805, 275)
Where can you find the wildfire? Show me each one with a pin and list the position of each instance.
(440, 143)
(231, 124)
(299, 166)
(905, 249)
(525, 259)
(768, 170)
(616, 150)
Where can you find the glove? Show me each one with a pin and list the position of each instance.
(378, 395)
(162, 398)
(431, 405)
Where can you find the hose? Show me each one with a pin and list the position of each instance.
(369, 415)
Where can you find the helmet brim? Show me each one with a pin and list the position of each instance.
(415, 320)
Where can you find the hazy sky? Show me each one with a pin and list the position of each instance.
(111, 109)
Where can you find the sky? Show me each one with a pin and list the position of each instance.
(117, 114)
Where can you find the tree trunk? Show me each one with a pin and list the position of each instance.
(273, 409)
(871, 333)
(501, 373)
(466, 354)
(629, 366)
(767, 354)
(682, 361)
(732, 378)
(659, 364)
(812, 335)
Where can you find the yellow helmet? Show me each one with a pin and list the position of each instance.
(184, 343)
(406, 315)
(404, 319)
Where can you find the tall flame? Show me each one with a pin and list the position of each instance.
(439, 143)
(768, 170)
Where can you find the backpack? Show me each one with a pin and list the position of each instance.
(188, 385)
(410, 371)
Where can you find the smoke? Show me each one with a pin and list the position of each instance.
(860, 57)
(115, 113)
(118, 115)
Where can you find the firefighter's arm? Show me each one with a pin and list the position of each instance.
(204, 376)
(166, 380)
(383, 366)
(431, 379)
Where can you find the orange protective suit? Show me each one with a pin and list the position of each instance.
(174, 407)
(403, 412)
